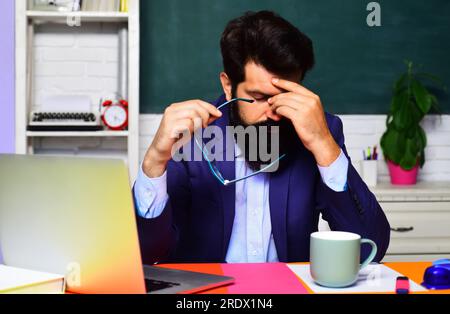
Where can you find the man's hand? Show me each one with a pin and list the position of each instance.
(178, 118)
(305, 110)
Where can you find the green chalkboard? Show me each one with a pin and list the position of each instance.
(355, 64)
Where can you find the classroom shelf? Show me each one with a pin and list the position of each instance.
(128, 32)
(61, 17)
(78, 134)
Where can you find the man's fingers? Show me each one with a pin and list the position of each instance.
(203, 113)
(212, 119)
(291, 86)
(288, 102)
(183, 126)
(182, 133)
(286, 96)
(296, 101)
(210, 108)
(193, 111)
(212, 112)
(197, 103)
(189, 114)
(286, 111)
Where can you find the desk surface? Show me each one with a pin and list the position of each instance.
(422, 191)
(413, 270)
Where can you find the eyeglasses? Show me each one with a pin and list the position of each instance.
(211, 164)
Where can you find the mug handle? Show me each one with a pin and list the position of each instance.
(371, 255)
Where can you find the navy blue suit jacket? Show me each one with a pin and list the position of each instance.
(197, 222)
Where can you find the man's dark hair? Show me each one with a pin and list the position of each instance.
(268, 40)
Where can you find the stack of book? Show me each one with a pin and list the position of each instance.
(104, 5)
(81, 5)
(24, 281)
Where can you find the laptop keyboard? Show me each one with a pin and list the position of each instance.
(155, 285)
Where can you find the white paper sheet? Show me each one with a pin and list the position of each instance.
(372, 279)
(65, 103)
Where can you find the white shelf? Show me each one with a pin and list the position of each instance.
(26, 20)
(78, 134)
(422, 191)
(49, 16)
(117, 154)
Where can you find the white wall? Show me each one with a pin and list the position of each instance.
(361, 131)
(7, 82)
(71, 61)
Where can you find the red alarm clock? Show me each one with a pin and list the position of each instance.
(115, 114)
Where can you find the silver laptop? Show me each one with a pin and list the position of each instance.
(75, 217)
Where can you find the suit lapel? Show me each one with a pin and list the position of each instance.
(278, 196)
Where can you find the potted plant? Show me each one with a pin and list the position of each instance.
(404, 141)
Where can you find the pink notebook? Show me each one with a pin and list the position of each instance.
(264, 278)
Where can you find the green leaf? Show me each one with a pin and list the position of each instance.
(421, 95)
(422, 158)
(400, 83)
(416, 114)
(422, 144)
(435, 104)
(409, 159)
(433, 78)
(393, 145)
(408, 64)
(398, 101)
(402, 118)
(422, 137)
(389, 119)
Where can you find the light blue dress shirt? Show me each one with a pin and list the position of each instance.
(251, 237)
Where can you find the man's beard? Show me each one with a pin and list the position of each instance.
(287, 138)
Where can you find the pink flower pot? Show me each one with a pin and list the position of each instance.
(400, 176)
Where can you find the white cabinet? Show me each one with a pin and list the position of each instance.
(420, 220)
